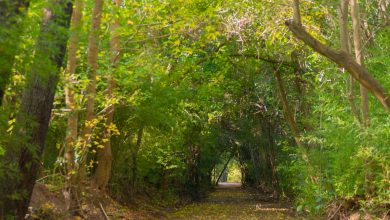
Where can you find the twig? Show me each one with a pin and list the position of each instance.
(50, 175)
(335, 212)
(104, 212)
(386, 214)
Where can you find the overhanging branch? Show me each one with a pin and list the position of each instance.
(344, 60)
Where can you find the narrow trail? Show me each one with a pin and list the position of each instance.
(230, 201)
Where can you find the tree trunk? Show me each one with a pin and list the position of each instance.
(23, 156)
(70, 79)
(383, 12)
(104, 155)
(10, 13)
(297, 13)
(367, 33)
(344, 41)
(223, 170)
(344, 60)
(93, 50)
(286, 108)
(357, 39)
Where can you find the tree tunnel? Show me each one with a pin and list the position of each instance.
(246, 146)
(251, 165)
(164, 99)
(252, 142)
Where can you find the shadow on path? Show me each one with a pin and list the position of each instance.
(231, 201)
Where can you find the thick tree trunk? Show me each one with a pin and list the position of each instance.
(357, 39)
(344, 41)
(344, 60)
(10, 13)
(23, 156)
(104, 155)
(93, 50)
(70, 78)
(104, 158)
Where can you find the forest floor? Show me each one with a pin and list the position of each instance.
(231, 201)
(50, 204)
(227, 201)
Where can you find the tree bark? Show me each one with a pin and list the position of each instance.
(10, 13)
(92, 59)
(383, 12)
(70, 79)
(287, 110)
(23, 156)
(104, 155)
(358, 72)
(357, 39)
(297, 13)
(344, 42)
(224, 168)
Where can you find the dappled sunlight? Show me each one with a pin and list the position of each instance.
(230, 201)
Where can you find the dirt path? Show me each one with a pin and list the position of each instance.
(230, 201)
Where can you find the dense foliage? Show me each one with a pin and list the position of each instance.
(194, 84)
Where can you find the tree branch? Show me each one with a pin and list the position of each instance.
(344, 60)
(297, 13)
(265, 59)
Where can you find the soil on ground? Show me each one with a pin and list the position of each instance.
(228, 201)
(50, 205)
(231, 201)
